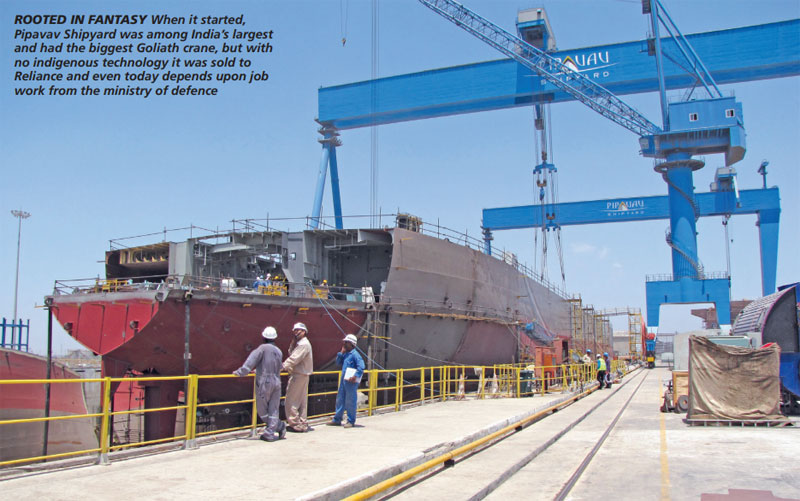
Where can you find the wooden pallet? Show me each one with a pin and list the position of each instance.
(768, 423)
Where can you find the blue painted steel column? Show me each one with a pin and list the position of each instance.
(337, 201)
(323, 173)
(487, 241)
(768, 239)
(682, 216)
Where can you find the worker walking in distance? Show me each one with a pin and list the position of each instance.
(299, 365)
(266, 360)
(601, 371)
(607, 359)
(352, 370)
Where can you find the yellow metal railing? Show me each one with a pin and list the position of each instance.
(385, 390)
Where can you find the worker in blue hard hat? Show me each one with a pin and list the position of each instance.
(601, 371)
(352, 370)
(607, 359)
(266, 361)
(587, 357)
(300, 365)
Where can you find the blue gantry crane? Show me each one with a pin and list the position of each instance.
(689, 128)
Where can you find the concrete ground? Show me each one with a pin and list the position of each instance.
(648, 455)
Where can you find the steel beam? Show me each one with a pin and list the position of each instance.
(322, 174)
(688, 291)
(736, 55)
(763, 202)
(337, 198)
(617, 210)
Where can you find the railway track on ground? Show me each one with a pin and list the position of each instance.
(548, 455)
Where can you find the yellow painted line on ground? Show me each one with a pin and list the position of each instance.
(664, 459)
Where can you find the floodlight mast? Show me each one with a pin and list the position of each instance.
(19, 214)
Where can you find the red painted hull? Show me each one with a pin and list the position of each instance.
(24, 401)
(136, 331)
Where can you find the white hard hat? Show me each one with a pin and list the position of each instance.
(350, 338)
(270, 333)
(301, 326)
(599, 355)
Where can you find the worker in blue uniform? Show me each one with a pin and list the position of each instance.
(266, 361)
(352, 370)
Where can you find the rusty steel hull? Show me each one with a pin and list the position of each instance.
(447, 303)
(26, 401)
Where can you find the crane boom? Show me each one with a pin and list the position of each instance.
(573, 82)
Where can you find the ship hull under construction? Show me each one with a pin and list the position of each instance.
(420, 301)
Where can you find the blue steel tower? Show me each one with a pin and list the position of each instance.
(694, 127)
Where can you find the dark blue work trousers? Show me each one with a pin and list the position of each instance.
(346, 400)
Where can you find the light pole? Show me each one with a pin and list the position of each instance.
(19, 214)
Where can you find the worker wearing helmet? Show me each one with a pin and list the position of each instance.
(601, 371)
(266, 360)
(607, 359)
(587, 357)
(352, 370)
(299, 365)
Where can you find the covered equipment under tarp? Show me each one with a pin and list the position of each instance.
(732, 383)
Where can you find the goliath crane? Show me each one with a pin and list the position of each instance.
(689, 128)
(734, 55)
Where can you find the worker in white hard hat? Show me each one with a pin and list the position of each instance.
(352, 370)
(299, 365)
(266, 360)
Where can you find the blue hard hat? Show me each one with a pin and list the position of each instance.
(605, 353)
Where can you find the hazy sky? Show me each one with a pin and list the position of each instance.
(93, 169)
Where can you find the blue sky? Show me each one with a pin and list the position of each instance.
(92, 169)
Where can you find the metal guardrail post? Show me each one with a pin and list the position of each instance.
(191, 414)
(432, 383)
(104, 427)
(544, 382)
(518, 373)
(254, 412)
(373, 392)
(398, 397)
(445, 382)
(422, 385)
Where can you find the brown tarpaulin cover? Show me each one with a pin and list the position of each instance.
(732, 383)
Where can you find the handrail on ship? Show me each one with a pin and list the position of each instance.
(413, 386)
(187, 282)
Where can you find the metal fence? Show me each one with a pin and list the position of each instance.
(385, 391)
